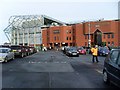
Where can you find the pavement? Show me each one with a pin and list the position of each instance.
(53, 69)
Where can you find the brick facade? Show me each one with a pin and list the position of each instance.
(98, 32)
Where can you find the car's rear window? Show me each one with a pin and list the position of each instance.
(3, 50)
(15, 47)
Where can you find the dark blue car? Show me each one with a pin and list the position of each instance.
(103, 51)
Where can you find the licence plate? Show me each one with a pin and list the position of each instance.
(14, 50)
(74, 53)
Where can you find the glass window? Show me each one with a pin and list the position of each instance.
(55, 38)
(56, 31)
(118, 60)
(108, 35)
(108, 43)
(70, 38)
(114, 56)
(112, 36)
(112, 43)
(67, 31)
(66, 38)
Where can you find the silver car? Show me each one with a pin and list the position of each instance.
(6, 54)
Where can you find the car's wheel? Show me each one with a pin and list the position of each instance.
(6, 59)
(13, 58)
(22, 55)
(105, 77)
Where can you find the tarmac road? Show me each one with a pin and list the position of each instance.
(53, 69)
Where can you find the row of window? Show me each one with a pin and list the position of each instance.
(68, 38)
(109, 36)
(109, 43)
(58, 31)
(104, 36)
(56, 38)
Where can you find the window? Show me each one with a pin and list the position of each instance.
(70, 31)
(67, 31)
(56, 31)
(114, 56)
(55, 38)
(112, 43)
(112, 35)
(70, 38)
(66, 38)
(108, 43)
(108, 35)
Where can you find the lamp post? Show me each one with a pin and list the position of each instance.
(89, 39)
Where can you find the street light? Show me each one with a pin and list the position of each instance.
(89, 39)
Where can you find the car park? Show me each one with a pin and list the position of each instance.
(81, 50)
(72, 51)
(19, 50)
(111, 70)
(6, 54)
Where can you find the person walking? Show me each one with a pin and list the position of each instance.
(94, 51)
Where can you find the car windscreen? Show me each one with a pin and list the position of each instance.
(72, 49)
(3, 50)
(15, 47)
(81, 48)
(105, 49)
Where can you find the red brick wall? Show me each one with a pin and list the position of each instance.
(44, 37)
(78, 31)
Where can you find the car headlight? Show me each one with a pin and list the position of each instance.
(103, 51)
(77, 52)
(2, 57)
(70, 52)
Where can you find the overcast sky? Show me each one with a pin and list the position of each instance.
(63, 10)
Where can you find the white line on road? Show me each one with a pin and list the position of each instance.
(98, 71)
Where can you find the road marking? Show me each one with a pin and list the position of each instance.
(98, 71)
(63, 62)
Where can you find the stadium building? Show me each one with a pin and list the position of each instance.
(34, 30)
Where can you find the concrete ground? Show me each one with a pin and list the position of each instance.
(53, 69)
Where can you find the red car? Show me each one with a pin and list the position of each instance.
(81, 50)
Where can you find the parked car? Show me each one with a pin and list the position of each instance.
(27, 50)
(72, 51)
(103, 51)
(111, 71)
(81, 50)
(19, 50)
(65, 49)
(6, 54)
